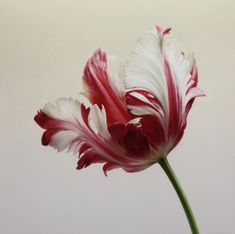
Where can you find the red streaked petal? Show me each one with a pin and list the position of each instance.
(101, 87)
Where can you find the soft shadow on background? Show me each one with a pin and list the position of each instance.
(43, 48)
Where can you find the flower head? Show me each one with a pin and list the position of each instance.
(137, 110)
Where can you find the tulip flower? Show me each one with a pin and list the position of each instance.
(134, 112)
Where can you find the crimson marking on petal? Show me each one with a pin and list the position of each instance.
(85, 112)
(51, 125)
(46, 137)
(174, 103)
(135, 142)
(118, 131)
(109, 166)
(88, 158)
(83, 148)
(131, 137)
(161, 31)
(44, 121)
(166, 31)
(154, 131)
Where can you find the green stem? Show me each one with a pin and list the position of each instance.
(175, 182)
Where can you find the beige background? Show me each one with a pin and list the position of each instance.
(44, 45)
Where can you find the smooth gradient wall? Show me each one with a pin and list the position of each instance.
(44, 45)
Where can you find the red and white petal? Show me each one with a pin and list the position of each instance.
(70, 125)
(158, 66)
(103, 84)
(61, 121)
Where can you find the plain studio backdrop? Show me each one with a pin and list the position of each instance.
(44, 46)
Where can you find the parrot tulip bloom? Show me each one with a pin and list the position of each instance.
(136, 111)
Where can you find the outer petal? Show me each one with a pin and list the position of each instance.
(70, 125)
(103, 83)
(156, 66)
